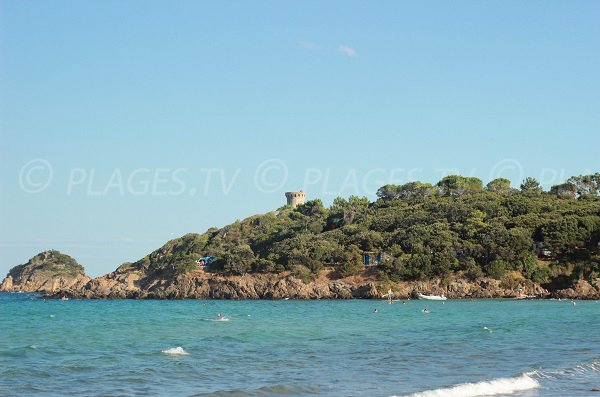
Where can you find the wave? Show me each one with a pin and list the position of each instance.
(486, 388)
(216, 319)
(176, 351)
(24, 351)
(577, 370)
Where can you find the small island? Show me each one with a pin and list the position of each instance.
(48, 272)
(457, 237)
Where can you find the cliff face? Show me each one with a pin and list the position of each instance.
(133, 283)
(200, 285)
(49, 272)
(580, 289)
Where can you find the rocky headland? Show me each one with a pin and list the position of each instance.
(58, 275)
(199, 284)
(456, 238)
(48, 272)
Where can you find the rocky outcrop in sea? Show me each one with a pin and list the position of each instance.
(49, 272)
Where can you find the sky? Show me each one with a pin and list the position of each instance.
(124, 124)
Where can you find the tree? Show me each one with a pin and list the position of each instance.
(474, 223)
(529, 266)
(499, 185)
(564, 234)
(456, 185)
(239, 260)
(352, 262)
(388, 192)
(565, 190)
(304, 258)
(586, 185)
(531, 186)
(312, 208)
(368, 240)
(496, 268)
(418, 266)
(346, 212)
(410, 192)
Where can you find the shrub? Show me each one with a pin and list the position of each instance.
(496, 269)
(185, 266)
(303, 273)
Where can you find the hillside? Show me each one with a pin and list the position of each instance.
(48, 271)
(454, 230)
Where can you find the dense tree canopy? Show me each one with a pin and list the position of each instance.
(421, 230)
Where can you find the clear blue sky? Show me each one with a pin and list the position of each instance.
(127, 123)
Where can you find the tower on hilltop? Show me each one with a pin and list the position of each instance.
(295, 198)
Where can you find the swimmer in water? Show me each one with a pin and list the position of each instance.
(426, 310)
(219, 315)
(375, 311)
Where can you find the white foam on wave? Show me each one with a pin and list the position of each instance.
(577, 370)
(583, 368)
(486, 388)
(177, 351)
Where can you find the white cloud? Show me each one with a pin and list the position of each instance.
(308, 45)
(342, 48)
(346, 50)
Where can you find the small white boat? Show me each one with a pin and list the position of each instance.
(431, 297)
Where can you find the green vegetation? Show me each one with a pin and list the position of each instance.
(423, 230)
(49, 262)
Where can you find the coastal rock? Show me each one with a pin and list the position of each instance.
(48, 271)
(367, 291)
(136, 281)
(200, 285)
(581, 289)
(461, 288)
(7, 284)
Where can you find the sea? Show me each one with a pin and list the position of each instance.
(298, 348)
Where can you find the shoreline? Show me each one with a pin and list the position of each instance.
(199, 284)
(396, 300)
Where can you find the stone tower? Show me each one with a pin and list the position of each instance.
(295, 198)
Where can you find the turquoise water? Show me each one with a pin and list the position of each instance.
(297, 348)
